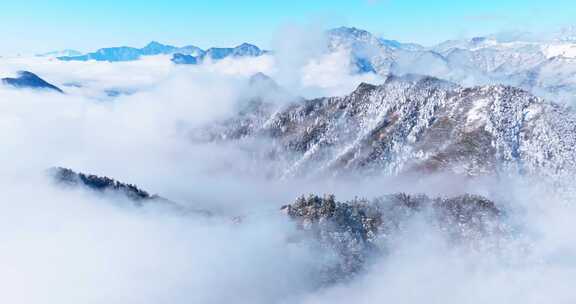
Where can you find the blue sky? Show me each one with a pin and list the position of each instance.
(42, 25)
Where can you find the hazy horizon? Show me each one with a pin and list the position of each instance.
(40, 27)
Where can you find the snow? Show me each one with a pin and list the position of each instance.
(479, 61)
(411, 121)
(567, 50)
(477, 116)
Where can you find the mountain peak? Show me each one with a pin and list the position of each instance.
(104, 185)
(153, 44)
(157, 48)
(349, 31)
(263, 81)
(26, 79)
(247, 49)
(246, 45)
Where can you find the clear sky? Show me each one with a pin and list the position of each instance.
(41, 25)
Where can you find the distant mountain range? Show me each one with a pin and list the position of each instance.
(544, 67)
(125, 53)
(183, 55)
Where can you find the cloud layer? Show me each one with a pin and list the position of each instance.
(60, 246)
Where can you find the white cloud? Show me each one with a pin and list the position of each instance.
(73, 247)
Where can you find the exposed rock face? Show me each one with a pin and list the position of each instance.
(359, 229)
(410, 124)
(30, 80)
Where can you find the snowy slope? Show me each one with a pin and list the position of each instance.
(411, 124)
(476, 61)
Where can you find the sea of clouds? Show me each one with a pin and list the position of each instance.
(62, 246)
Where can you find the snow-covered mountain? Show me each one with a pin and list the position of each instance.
(359, 230)
(517, 59)
(477, 61)
(409, 124)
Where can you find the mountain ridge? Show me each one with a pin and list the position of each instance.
(477, 61)
(410, 123)
(180, 54)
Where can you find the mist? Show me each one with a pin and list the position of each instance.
(74, 246)
(68, 246)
